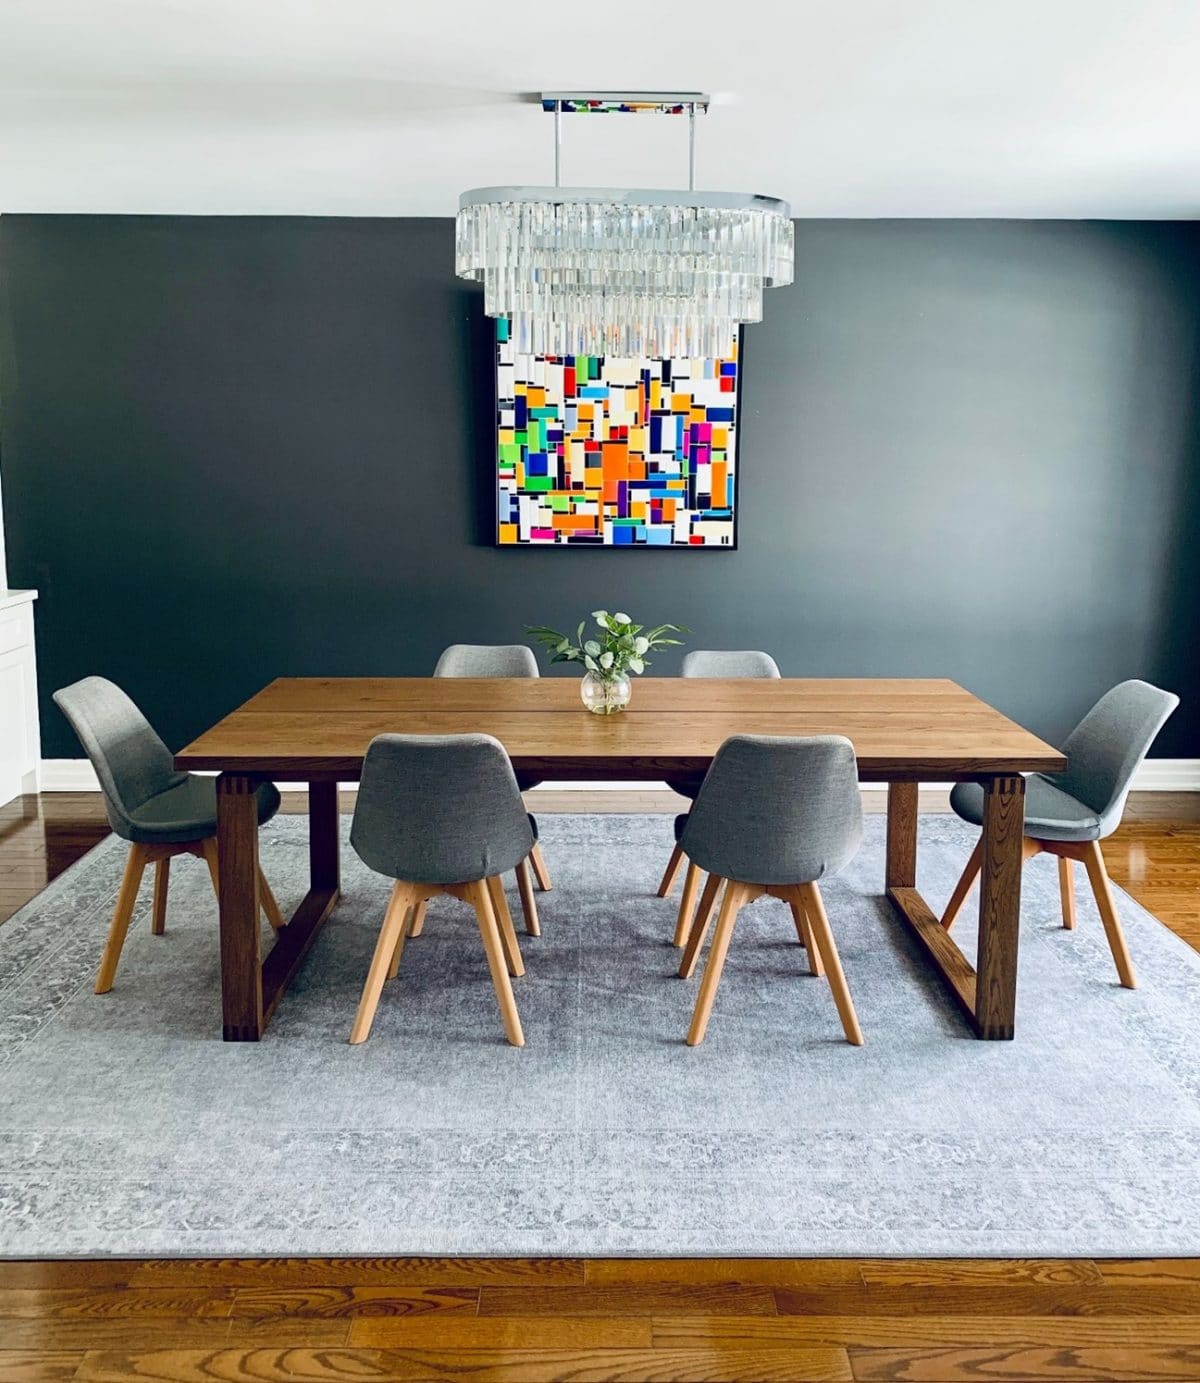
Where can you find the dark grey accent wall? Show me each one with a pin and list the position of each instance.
(239, 448)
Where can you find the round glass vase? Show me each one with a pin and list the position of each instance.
(605, 696)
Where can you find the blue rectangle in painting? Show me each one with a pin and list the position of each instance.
(659, 537)
(537, 463)
(720, 415)
(521, 409)
(729, 367)
(622, 536)
(594, 391)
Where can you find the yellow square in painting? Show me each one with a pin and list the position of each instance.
(720, 437)
(508, 437)
(508, 532)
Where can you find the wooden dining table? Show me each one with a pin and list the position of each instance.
(905, 731)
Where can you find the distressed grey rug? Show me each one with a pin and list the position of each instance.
(127, 1126)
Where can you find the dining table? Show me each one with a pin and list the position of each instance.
(905, 731)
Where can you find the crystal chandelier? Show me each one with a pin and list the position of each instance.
(617, 271)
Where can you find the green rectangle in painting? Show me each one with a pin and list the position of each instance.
(535, 435)
(543, 412)
(510, 453)
(561, 504)
(521, 438)
(539, 482)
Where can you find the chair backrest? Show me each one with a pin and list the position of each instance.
(776, 810)
(487, 660)
(1104, 750)
(130, 760)
(439, 809)
(713, 662)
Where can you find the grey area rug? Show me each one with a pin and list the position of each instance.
(127, 1127)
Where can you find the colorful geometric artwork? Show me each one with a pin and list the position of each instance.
(596, 451)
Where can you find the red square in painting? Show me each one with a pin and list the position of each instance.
(728, 384)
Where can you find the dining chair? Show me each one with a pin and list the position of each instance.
(706, 662)
(1068, 814)
(502, 660)
(773, 816)
(441, 814)
(160, 812)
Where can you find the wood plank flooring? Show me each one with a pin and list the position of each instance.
(527, 1320)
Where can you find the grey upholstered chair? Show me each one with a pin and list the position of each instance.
(487, 660)
(501, 660)
(441, 814)
(706, 662)
(1069, 814)
(160, 812)
(773, 816)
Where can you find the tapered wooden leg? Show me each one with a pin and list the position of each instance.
(703, 913)
(417, 926)
(269, 906)
(674, 865)
(401, 894)
(131, 881)
(730, 904)
(390, 935)
(508, 933)
(539, 867)
(964, 886)
(687, 903)
(528, 901)
(208, 848)
(162, 881)
(1066, 888)
(816, 965)
(814, 906)
(1093, 862)
(478, 896)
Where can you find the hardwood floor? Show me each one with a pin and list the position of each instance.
(528, 1320)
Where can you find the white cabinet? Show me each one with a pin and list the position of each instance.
(20, 741)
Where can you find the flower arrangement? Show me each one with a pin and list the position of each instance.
(618, 649)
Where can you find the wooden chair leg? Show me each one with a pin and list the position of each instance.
(708, 898)
(382, 962)
(131, 881)
(1094, 863)
(417, 926)
(814, 906)
(405, 929)
(1066, 888)
(489, 930)
(816, 966)
(674, 865)
(964, 886)
(730, 904)
(687, 904)
(528, 902)
(541, 873)
(700, 928)
(508, 933)
(208, 848)
(162, 881)
(269, 905)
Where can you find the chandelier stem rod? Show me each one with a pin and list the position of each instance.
(692, 147)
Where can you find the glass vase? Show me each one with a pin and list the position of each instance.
(605, 696)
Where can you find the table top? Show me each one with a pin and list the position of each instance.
(901, 728)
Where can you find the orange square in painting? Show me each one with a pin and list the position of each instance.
(616, 461)
(575, 521)
(668, 510)
(587, 411)
(637, 468)
(720, 438)
(536, 397)
(508, 532)
(681, 403)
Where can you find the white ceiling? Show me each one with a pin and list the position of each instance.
(392, 107)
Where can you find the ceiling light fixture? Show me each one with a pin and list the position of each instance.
(618, 271)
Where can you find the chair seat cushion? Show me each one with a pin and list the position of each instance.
(686, 787)
(680, 823)
(188, 811)
(1050, 813)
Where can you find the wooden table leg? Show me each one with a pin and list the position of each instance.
(323, 843)
(902, 835)
(237, 870)
(1000, 906)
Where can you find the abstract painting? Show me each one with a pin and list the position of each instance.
(595, 451)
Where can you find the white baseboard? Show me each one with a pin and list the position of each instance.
(1155, 775)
